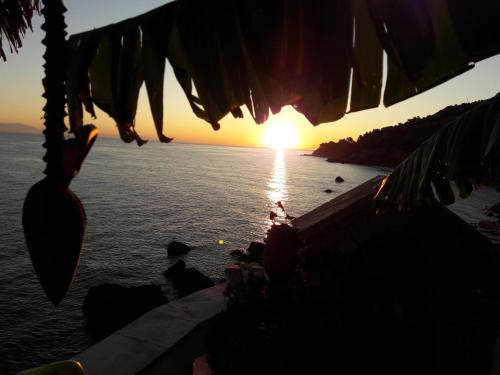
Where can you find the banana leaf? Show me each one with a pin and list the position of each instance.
(367, 61)
(406, 31)
(438, 54)
(193, 54)
(154, 47)
(314, 55)
(264, 40)
(325, 91)
(116, 77)
(475, 26)
(466, 151)
(81, 52)
(107, 67)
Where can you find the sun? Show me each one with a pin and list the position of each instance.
(280, 134)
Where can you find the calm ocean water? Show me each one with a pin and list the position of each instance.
(137, 200)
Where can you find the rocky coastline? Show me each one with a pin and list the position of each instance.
(389, 146)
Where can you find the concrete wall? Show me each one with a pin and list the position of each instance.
(163, 341)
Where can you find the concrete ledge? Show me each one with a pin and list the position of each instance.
(146, 340)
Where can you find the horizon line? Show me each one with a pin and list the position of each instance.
(111, 136)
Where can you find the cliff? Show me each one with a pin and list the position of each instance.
(390, 145)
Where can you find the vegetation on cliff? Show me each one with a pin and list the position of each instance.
(390, 145)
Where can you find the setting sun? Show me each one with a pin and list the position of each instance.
(280, 134)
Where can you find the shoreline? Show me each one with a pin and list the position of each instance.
(390, 167)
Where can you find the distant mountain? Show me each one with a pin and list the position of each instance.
(18, 128)
(389, 146)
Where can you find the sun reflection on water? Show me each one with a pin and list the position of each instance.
(276, 186)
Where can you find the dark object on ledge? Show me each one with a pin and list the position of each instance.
(109, 307)
(253, 253)
(328, 191)
(339, 179)
(494, 211)
(237, 253)
(177, 248)
(281, 253)
(187, 280)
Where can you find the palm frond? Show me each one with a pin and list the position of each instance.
(15, 19)
(466, 151)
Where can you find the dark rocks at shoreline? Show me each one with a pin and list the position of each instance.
(377, 158)
(109, 307)
(339, 179)
(187, 280)
(175, 248)
(254, 253)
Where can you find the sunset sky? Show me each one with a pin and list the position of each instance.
(21, 101)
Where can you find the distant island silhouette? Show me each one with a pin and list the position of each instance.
(18, 128)
(389, 146)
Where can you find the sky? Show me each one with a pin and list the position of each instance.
(21, 89)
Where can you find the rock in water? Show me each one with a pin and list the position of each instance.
(177, 248)
(339, 179)
(174, 271)
(191, 281)
(187, 280)
(109, 307)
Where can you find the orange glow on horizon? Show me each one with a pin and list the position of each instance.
(287, 129)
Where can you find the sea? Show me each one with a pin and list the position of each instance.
(138, 199)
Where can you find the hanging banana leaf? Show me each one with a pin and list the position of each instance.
(116, 77)
(195, 60)
(466, 151)
(367, 61)
(154, 46)
(82, 50)
(417, 64)
(328, 41)
(107, 67)
(268, 54)
(475, 27)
